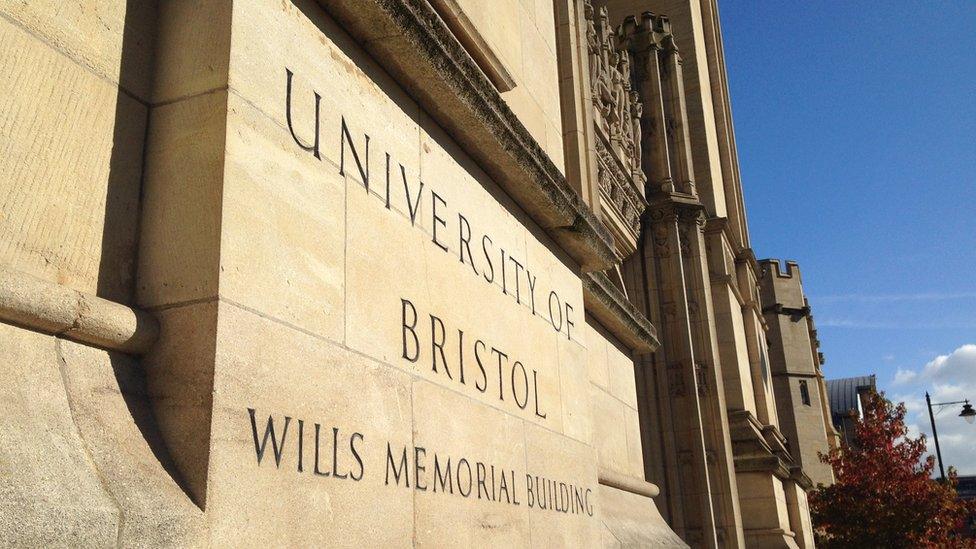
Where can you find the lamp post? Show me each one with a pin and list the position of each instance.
(967, 413)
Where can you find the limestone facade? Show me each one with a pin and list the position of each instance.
(387, 273)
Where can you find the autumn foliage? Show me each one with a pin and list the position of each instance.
(884, 495)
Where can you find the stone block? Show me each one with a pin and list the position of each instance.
(609, 424)
(568, 468)
(545, 21)
(113, 40)
(763, 501)
(180, 385)
(69, 168)
(182, 197)
(621, 369)
(598, 369)
(352, 89)
(575, 389)
(541, 77)
(492, 445)
(50, 495)
(555, 145)
(529, 112)
(192, 49)
(495, 361)
(110, 408)
(282, 226)
(501, 28)
(632, 520)
(447, 170)
(318, 479)
(635, 453)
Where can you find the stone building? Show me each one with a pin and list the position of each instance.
(387, 273)
(795, 360)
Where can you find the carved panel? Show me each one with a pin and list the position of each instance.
(617, 111)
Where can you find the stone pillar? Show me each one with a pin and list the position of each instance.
(764, 501)
(799, 511)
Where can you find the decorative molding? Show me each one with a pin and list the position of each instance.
(619, 189)
(608, 304)
(676, 380)
(54, 309)
(800, 478)
(627, 483)
(795, 313)
(410, 41)
(762, 464)
(617, 111)
(701, 378)
(475, 44)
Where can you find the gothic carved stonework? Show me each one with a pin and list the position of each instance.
(701, 379)
(616, 186)
(676, 382)
(693, 216)
(656, 66)
(617, 112)
(661, 246)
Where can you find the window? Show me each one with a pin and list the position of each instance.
(764, 367)
(804, 392)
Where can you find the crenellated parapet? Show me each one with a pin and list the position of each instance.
(657, 77)
(650, 32)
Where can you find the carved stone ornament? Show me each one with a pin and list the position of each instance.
(661, 246)
(676, 382)
(701, 379)
(617, 112)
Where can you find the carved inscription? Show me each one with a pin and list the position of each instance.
(475, 479)
(451, 230)
(326, 457)
(336, 453)
(455, 354)
(480, 365)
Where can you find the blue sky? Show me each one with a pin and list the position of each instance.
(856, 129)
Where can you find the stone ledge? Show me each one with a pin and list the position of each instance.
(608, 305)
(801, 478)
(627, 483)
(54, 309)
(410, 40)
(762, 464)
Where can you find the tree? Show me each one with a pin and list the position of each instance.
(884, 495)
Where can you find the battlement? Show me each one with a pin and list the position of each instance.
(780, 284)
(775, 267)
(651, 30)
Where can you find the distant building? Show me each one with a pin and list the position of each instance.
(846, 397)
(966, 490)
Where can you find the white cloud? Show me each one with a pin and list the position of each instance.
(904, 376)
(946, 378)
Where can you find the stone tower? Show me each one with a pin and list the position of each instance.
(795, 361)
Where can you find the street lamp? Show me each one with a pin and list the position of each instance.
(967, 413)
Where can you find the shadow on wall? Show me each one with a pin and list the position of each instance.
(120, 234)
(132, 386)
